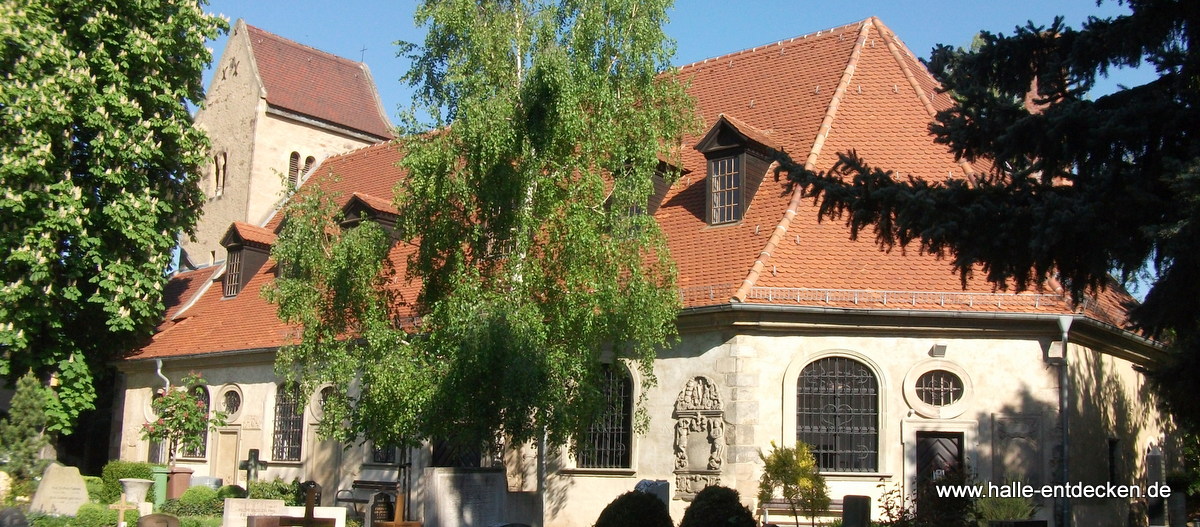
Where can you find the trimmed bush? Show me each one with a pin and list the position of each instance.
(114, 471)
(276, 489)
(231, 491)
(196, 501)
(635, 509)
(89, 515)
(95, 487)
(199, 521)
(717, 506)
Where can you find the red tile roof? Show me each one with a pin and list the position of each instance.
(852, 87)
(249, 234)
(317, 84)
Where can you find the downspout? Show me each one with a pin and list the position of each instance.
(158, 371)
(1064, 412)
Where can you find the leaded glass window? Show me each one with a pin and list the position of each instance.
(837, 414)
(725, 189)
(608, 440)
(289, 424)
(939, 388)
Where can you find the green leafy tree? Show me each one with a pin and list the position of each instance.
(97, 178)
(794, 473)
(526, 205)
(22, 432)
(183, 417)
(1070, 187)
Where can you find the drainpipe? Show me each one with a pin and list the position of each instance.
(1064, 412)
(158, 371)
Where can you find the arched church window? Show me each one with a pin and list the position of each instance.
(200, 393)
(837, 414)
(609, 439)
(289, 423)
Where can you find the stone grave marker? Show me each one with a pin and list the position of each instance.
(158, 520)
(238, 509)
(13, 518)
(312, 493)
(61, 491)
(856, 511)
(464, 497)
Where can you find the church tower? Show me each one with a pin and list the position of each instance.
(275, 109)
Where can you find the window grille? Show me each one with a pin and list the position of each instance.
(201, 394)
(233, 402)
(608, 440)
(837, 414)
(388, 455)
(293, 173)
(289, 422)
(725, 188)
(939, 388)
(233, 272)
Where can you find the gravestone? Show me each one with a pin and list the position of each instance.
(158, 520)
(465, 497)
(856, 511)
(238, 509)
(61, 491)
(252, 465)
(312, 493)
(659, 488)
(13, 518)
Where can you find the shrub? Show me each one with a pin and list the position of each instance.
(795, 473)
(231, 491)
(196, 501)
(200, 521)
(635, 509)
(21, 431)
(95, 487)
(717, 506)
(114, 471)
(95, 515)
(1010, 508)
(276, 489)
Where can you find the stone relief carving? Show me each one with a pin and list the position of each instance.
(1017, 448)
(698, 410)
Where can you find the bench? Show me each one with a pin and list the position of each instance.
(779, 512)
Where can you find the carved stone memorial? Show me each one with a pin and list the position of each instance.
(699, 437)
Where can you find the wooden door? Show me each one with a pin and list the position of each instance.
(938, 454)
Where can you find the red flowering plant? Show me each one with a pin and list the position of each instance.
(183, 417)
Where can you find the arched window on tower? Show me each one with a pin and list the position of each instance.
(293, 173)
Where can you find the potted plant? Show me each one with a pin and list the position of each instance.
(183, 418)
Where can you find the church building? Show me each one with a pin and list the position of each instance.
(884, 362)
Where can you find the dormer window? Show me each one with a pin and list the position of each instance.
(725, 189)
(233, 271)
(247, 248)
(738, 157)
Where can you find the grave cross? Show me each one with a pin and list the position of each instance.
(252, 466)
(312, 493)
(121, 507)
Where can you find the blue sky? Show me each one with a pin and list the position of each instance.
(364, 29)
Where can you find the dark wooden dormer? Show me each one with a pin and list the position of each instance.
(738, 156)
(247, 249)
(365, 207)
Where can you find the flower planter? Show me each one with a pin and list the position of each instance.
(135, 489)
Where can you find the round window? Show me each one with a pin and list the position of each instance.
(939, 388)
(232, 402)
